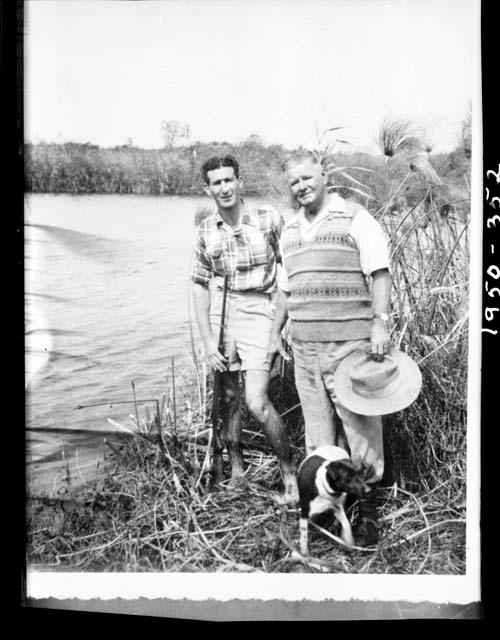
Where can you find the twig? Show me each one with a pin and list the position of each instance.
(295, 406)
(441, 346)
(91, 549)
(206, 461)
(158, 539)
(429, 540)
(162, 408)
(135, 403)
(441, 276)
(204, 538)
(340, 541)
(175, 409)
(422, 531)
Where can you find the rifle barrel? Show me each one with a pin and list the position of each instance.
(223, 315)
(216, 398)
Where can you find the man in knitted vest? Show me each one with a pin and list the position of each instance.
(335, 288)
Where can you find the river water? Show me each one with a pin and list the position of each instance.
(107, 303)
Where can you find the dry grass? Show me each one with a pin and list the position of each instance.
(155, 511)
(154, 515)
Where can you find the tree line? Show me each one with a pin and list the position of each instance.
(73, 167)
(84, 168)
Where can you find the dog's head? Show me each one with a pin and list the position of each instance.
(344, 478)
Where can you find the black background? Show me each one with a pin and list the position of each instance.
(50, 614)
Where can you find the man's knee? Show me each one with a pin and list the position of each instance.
(258, 404)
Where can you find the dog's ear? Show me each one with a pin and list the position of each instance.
(339, 471)
(346, 469)
(331, 473)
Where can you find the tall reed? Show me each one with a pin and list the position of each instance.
(430, 270)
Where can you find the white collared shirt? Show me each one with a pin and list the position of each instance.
(366, 232)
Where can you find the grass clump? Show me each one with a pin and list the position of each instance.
(153, 515)
(155, 510)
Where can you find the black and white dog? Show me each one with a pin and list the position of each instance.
(325, 477)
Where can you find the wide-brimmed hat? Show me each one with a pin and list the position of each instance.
(372, 388)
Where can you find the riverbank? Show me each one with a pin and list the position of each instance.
(153, 509)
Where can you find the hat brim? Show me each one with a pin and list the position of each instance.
(402, 397)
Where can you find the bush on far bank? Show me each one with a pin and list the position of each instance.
(77, 168)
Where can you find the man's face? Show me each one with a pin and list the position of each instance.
(307, 184)
(224, 187)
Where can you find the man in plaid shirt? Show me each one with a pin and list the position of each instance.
(243, 244)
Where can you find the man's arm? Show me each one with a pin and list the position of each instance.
(381, 292)
(201, 299)
(280, 317)
(201, 275)
(276, 229)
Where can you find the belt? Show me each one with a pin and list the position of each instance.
(249, 292)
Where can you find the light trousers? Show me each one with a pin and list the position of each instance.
(315, 366)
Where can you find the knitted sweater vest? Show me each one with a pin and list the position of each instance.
(329, 298)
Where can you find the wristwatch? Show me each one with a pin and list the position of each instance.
(382, 316)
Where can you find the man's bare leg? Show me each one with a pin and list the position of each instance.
(231, 432)
(256, 384)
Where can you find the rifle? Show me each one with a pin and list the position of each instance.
(215, 415)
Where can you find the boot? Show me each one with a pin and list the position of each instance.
(365, 528)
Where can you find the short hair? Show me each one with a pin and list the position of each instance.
(297, 157)
(217, 162)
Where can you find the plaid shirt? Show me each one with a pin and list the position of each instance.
(247, 254)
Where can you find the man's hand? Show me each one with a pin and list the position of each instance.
(275, 347)
(380, 341)
(214, 357)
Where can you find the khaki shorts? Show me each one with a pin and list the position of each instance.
(247, 328)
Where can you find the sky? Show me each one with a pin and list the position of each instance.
(106, 71)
